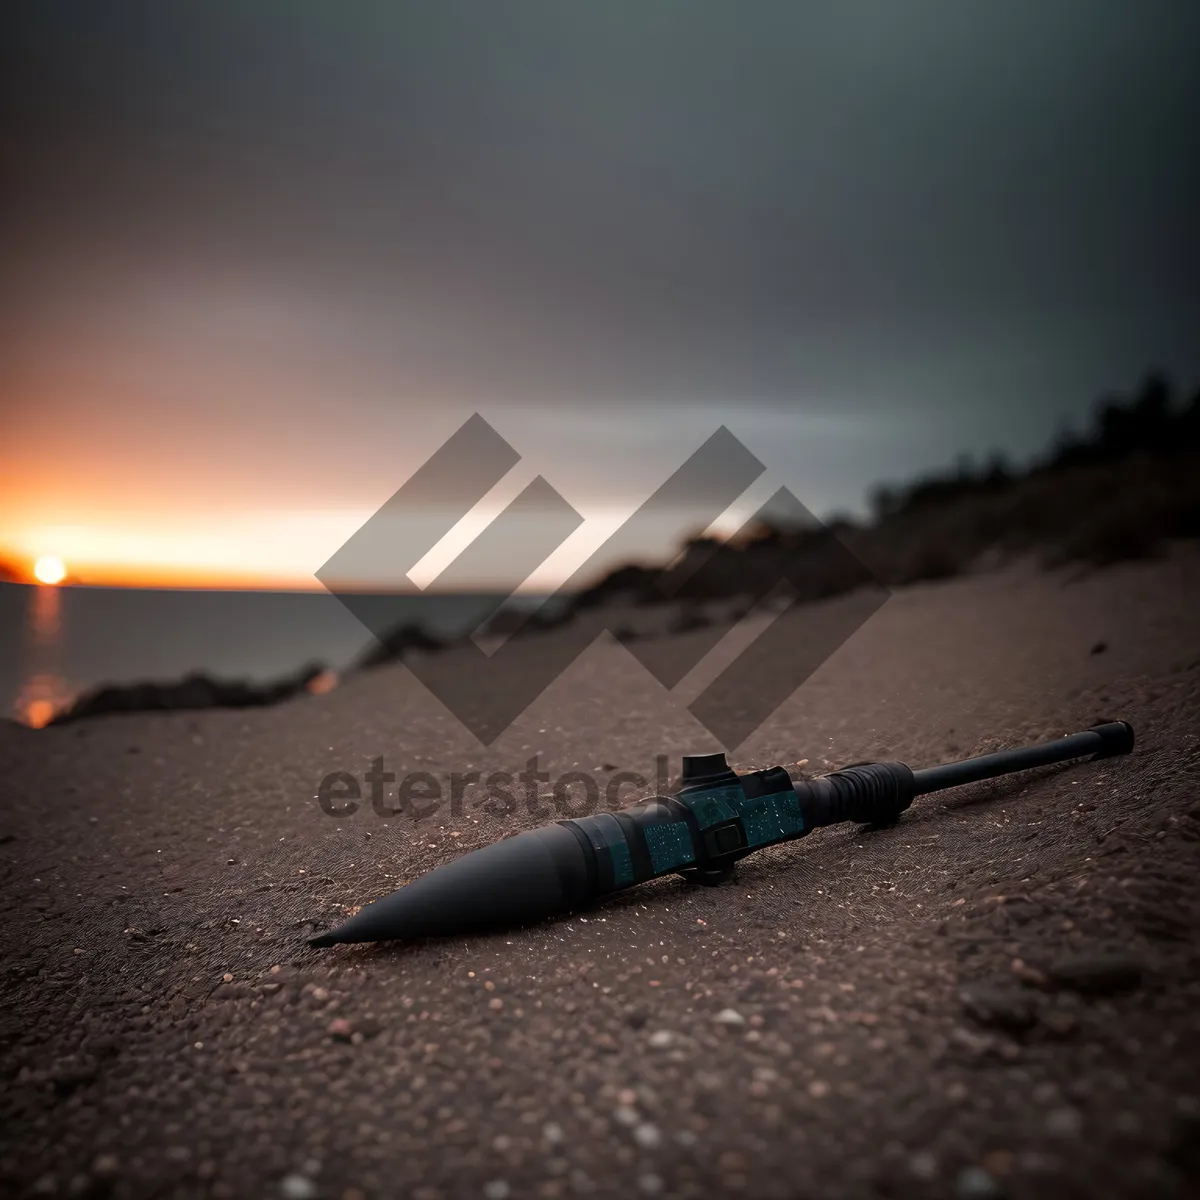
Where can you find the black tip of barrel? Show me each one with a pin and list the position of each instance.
(1116, 737)
(517, 881)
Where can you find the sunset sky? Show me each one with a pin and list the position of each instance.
(258, 261)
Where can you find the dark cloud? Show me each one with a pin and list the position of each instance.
(949, 207)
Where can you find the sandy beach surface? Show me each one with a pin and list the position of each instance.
(1000, 996)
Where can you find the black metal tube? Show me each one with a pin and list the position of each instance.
(716, 818)
(1115, 737)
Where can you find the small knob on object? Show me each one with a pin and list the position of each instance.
(703, 766)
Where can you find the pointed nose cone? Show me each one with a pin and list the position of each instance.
(517, 881)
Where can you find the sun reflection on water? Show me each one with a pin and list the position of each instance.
(45, 692)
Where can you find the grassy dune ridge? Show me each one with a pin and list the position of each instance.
(1120, 490)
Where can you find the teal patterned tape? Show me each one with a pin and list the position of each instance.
(670, 846)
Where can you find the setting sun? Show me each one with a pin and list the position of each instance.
(49, 569)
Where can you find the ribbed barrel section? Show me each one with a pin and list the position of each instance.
(869, 794)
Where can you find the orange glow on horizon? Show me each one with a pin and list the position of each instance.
(276, 550)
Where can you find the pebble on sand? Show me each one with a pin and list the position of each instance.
(297, 1187)
(106, 1166)
(923, 1165)
(660, 1039)
(1000, 1008)
(974, 1183)
(1064, 1122)
(729, 1016)
(647, 1136)
(496, 1189)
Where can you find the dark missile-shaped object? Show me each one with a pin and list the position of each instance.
(714, 819)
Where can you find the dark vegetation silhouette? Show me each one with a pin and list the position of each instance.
(192, 692)
(1121, 489)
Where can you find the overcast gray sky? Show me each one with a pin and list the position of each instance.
(264, 257)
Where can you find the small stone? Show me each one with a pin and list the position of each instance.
(650, 1183)
(1099, 648)
(1064, 1122)
(340, 1029)
(297, 1187)
(1098, 974)
(974, 1183)
(998, 1162)
(495, 1004)
(496, 1189)
(227, 977)
(978, 1045)
(923, 1165)
(627, 1097)
(552, 1131)
(1059, 1023)
(1027, 974)
(1000, 1008)
(626, 1116)
(106, 1166)
(660, 1039)
(730, 1016)
(647, 1136)
(818, 1089)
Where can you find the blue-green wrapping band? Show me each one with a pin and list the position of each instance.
(670, 846)
(773, 818)
(664, 836)
(764, 819)
(712, 806)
